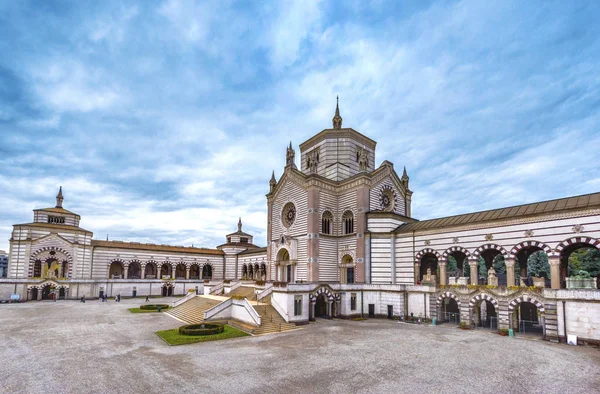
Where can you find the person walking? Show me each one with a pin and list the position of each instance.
(147, 298)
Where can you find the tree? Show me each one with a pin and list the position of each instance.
(585, 259)
(537, 265)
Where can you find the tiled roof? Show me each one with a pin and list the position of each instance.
(255, 251)
(240, 233)
(52, 225)
(57, 210)
(544, 207)
(154, 247)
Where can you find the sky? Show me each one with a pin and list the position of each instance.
(162, 120)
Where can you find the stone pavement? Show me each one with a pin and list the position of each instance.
(70, 347)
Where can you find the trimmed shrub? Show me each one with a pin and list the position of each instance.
(202, 329)
(237, 297)
(154, 307)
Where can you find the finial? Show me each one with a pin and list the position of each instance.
(59, 198)
(273, 180)
(404, 174)
(240, 224)
(337, 119)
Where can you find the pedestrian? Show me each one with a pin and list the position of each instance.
(147, 298)
(118, 297)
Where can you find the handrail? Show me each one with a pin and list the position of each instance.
(216, 289)
(279, 310)
(188, 296)
(264, 293)
(253, 313)
(217, 308)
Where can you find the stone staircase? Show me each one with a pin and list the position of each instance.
(271, 321)
(192, 311)
(244, 291)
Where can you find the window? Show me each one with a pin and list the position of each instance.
(228, 239)
(56, 220)
(353, 301)
(298, 305)
(244, 240)
(350, 275)
(326, 222)
(348, 222)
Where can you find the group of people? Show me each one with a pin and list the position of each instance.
(104, 298)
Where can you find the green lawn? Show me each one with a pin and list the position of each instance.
(173, 337)
(138, 310)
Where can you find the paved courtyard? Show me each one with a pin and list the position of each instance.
(69, 347)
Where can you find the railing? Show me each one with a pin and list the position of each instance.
(235, 286)
(264, 293)
(217, 289)
(188, 296)
(278, 308)
(217, 308)
(253, 313)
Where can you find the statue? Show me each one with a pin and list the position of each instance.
(492, 279)
(362, 158)
(491, 272)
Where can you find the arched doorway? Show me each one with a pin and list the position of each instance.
(526, 319)
(448, 308)
(485, 315)
(263, 271)
(250, 271)
(167, 290)
(244, 271)
(133, 271)
(115, 270)
(150, 271)
(34, 293)
(321, 306)
(207, 271)
(347, 270)
(180, 271)
(580, 262)
(195, 271)
(47, 292)
(286, 269)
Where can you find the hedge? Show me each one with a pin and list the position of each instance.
(152, 307)
(202, 329)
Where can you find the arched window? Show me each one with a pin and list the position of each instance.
(207, 271)
(37, 269)
(348, 222)
(326, 222)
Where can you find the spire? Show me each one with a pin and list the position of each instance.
(273, 180)
(59, 198)
(337, 119)
(289, 156)
(404, 174)
(240, 225)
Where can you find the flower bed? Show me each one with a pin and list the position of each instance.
(153, 307)
(201, 329)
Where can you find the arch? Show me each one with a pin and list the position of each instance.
(348, 222)
(483, 297)
(490, 319)
(207, 271)
(576, 240)
(442, 313)
(453, 249)
(448, 294)
(263, 271)
(526, 298)
(326, 292)
(150, 270)
(530, 244)
(327, 222)
(134, 269)
(58, 259)
(195, 271)
(485, 247)
(116, 269)
(180, 270)
(347, 269)
(283, 255)
(244, 271)
(425, 251)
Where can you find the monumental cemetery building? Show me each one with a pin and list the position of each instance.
(341, 242)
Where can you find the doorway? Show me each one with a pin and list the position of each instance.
(371, 310)
(390, 310)
(321, 306)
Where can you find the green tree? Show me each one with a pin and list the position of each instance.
(537, 265)
(586, 259)
(452, 265)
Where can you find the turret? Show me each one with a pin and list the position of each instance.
(59, 198)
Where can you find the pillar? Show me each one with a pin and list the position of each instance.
(187, 272)
(360, 226)
(173, 272)
(312, 310)
(442, 265)
(474, 271)
(554, 272)
(368, 258)
(125, 269)
(510, 271)
(313, 219)
(329, 308)
(417, 272)
(393, 258)
(39, 294)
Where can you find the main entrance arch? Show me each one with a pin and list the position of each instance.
(324, 302)
(483, 310)
(526, 316)
(448, 308)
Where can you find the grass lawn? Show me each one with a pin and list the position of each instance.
(138, 310)
(173, 337)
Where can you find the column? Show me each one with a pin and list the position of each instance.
(312, 310)
(474, 271)
(510, 271)
(142, 271)
(393, 257)
(360, 226)
(368, 258)
(417, 272)
(172, 272)
(125, 269)
(313, 219)
(39, 294)
(187, 273)
(329, 308)
(554, 272)
(442, 265)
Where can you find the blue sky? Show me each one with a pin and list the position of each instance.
(163, 120)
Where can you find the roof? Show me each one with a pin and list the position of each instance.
(345, 132)
(239, 233)
(56, 210)
(238, 244)
(155, 247)
(255, 251)
(56, 226)
(517, 211)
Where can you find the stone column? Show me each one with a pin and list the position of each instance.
(554, 271)
(510, 271)
(187, 272)
(360, 223)
(313, 219)
(417, 272)
(312, 310)
(173, 269)
(329, 308)
(367, 258)
(125, 269)
(474, 271)
(442, 265)
(39, 294)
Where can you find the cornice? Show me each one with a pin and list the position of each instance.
(335, 133)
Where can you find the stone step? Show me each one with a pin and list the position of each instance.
(192, 311)
(244, 291)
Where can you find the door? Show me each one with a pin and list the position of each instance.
(390, 311)
(350, 275)
(288, 273)
(371, 310)
(101, 294)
